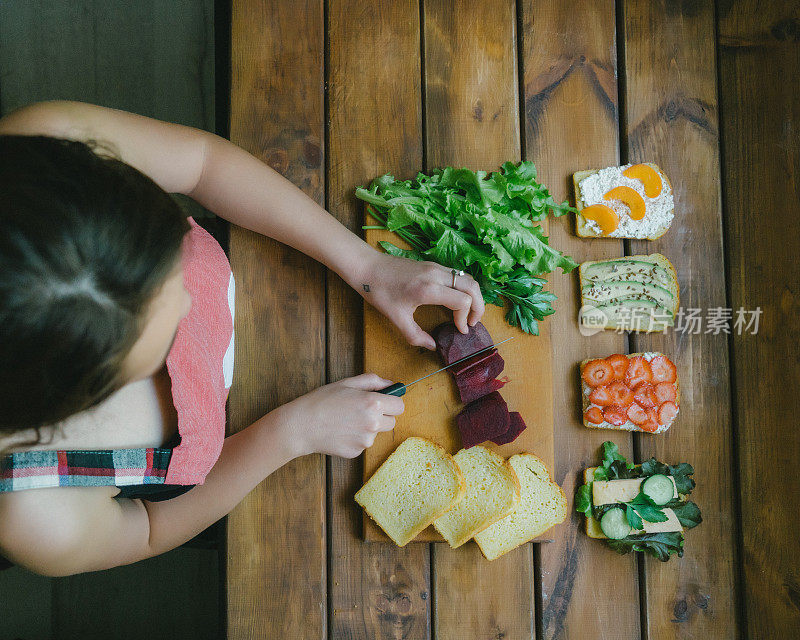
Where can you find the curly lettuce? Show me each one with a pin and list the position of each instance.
(482, 224)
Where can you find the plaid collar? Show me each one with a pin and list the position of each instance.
(108, 467)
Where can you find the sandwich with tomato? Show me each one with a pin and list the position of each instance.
(636, 392)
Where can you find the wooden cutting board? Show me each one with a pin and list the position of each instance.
(431, 405)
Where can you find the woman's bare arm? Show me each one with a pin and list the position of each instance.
(67, 530)
(240, 188)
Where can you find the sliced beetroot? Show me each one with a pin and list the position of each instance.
(473, 362)
(453, 345)
(472, 391)
(479, 379)
(483, 419)
(517, 425)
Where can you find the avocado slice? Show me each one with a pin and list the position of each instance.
(608, 290)
(636, 314)
(625, 269)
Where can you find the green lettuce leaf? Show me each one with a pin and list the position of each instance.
(481, 223)
(393, 250)
(613, 466)
(583, 499)
(687, 512)
(659, 545)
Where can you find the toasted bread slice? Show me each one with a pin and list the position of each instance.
(628, 426)
(584, 230)
(542, 505)
(492, 492)
(413, 487)
(666, 280)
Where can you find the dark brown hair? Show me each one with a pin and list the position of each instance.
(86, 241)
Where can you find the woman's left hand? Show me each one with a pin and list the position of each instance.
(397, 286)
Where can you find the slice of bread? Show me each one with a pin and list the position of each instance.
(593, 529)
(608, 321)
(542, 504)
(413, 487)
(582, 226)
(492, 492)
(628, 426)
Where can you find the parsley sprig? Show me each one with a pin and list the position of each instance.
(642, 507)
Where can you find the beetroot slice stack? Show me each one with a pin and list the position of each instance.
(486, 416)
(483, 420)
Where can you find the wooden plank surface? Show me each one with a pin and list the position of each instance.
(759, 60)
(276, 562)
(472, 119)
(570, 102)
(377, 591)
(671, 119)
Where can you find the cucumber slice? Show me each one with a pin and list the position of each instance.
(659, 489)
(615, 525)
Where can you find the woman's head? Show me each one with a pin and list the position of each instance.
(90, 279)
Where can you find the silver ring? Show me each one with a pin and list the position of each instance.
(455, 273)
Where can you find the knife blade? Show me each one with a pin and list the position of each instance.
(399, 388)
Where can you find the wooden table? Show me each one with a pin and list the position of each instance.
(332, 94)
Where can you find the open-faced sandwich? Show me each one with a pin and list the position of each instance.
(636, 392)
(631, 201)
(634, 293)
(641, 507)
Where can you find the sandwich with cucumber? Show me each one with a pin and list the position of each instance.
(642, 507)
(634, 293)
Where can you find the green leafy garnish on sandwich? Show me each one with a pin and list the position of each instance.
(482, 224)
(638, 507)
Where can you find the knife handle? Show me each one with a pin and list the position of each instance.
(397, 389)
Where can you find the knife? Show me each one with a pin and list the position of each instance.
(399, 389)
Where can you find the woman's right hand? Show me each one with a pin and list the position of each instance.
(341, 418)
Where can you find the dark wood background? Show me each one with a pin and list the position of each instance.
(334, 92)
(157, 58)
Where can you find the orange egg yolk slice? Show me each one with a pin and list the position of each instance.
(630, 197)
(648, 176)
(605, 217)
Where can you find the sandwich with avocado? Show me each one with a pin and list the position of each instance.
(634, 293)
(638, 507)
